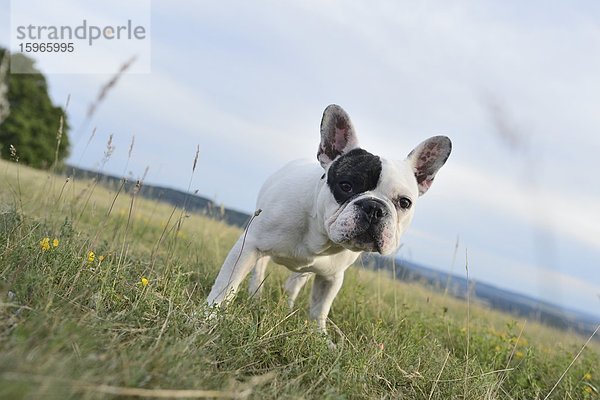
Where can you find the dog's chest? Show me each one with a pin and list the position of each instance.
(322, 265)
(294, 264)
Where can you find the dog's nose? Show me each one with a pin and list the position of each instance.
(373, 209)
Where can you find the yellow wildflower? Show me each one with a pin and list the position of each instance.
(144, 281)
(91, 257)
(55, 243)
(587, 376)
(45, 244)
(587, 390)
(519, 341)
(519, 354)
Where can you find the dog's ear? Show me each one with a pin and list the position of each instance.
(337, 135)
(427, 158)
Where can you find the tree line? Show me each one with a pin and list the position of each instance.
(30, 124)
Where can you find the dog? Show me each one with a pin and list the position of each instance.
(317, 219)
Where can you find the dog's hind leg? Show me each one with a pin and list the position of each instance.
(237, 265)
(294, 284)
(255, 287)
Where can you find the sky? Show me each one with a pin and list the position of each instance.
(515, 85)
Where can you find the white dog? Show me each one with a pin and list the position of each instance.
(317, 219)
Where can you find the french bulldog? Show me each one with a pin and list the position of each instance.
(317, 218)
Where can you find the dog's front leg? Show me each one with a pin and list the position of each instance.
(324, 290)
(257, 279)
(237, 265)
(294, 284)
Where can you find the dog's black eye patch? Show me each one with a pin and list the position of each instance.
(357, 168)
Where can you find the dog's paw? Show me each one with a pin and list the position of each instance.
(330, 345)
(327, 339)
(209, 313)
(205, 317)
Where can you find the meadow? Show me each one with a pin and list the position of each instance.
(102, 296)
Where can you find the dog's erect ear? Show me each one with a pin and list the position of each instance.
(427, 158)
(337, 135)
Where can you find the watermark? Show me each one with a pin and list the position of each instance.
(79, 36)
(90, 33)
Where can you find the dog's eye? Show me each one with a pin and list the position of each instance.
(404, 203)
(346, 186)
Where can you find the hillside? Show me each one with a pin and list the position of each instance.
(191, 202)
(503, 300)
(103, 296)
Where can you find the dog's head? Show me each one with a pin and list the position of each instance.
(369, 201)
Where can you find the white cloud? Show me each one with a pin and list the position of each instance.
(543, 207)
(474, 45)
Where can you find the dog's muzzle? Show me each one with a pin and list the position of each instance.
(372, 214)
(372, 210)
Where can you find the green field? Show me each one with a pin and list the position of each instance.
(114, 308)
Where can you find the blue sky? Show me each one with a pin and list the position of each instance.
(248, 81)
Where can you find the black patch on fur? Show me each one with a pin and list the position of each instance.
(359, 168)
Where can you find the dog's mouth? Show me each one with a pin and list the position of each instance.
(366, 241)
(362, 237)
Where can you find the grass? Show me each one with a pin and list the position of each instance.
(128, 322)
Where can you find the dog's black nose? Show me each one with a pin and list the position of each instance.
(373, 209)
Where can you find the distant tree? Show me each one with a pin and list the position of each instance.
(4, 104)
(33, 122)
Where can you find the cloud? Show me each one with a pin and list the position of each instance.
(477, 47)
(539, 206)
